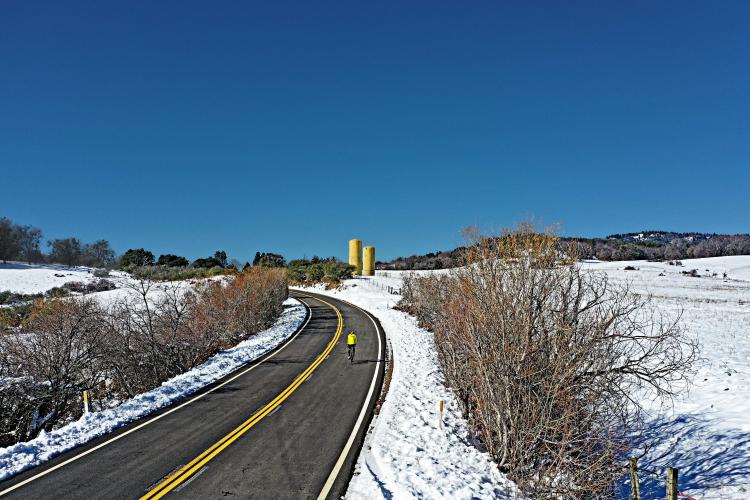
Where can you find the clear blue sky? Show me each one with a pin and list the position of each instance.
(186, 127)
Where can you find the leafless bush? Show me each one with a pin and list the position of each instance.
(44, 368)
(549, 360)
(160, 334)
(150, 339)
(142, 339)
(247, 304)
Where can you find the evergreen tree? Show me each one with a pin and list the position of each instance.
(66, 251)
(138, 257)
(8, 240)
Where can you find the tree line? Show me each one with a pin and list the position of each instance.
(329, 271)
(24, 243)
(647, 245)
(660, 245)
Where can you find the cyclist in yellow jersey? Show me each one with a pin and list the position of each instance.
(351, 344)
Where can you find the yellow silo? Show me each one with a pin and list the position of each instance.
(369, 264)
(355, 255)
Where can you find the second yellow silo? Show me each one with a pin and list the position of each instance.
(355, 255)
(369, 263)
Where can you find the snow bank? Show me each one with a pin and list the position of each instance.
(21, 456)
(407, 454)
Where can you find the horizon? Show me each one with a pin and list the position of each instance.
(120, 252)
(288, 128)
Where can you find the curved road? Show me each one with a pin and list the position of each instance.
(289, 425)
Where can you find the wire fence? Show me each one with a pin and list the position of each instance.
(670, 475)
(379, 282)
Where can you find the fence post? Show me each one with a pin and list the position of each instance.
(635, 487)
(671, 483)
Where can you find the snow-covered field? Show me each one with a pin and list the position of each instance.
(706, 434)
(38, 278)
(21, 456)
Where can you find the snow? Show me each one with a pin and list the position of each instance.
(705, 433)
(21, 456)
(38, 278)
(407, 453)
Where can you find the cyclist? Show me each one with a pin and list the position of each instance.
(351, 344)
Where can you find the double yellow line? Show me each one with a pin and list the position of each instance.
(196, 464)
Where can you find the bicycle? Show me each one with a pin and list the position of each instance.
(350, 353)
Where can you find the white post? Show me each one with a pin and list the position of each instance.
(85, 402)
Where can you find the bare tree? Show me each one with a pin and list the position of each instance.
(98, 254)
(29, 239)
(65, 251)
(549, 360)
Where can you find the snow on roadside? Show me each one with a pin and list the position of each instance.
(407, 454)
(21, 456)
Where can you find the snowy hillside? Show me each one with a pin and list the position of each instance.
(38, 278)
(706, 435)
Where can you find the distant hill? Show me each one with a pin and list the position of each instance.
(645, 245)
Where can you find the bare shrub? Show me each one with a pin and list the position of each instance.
(548, 359)
(100, 285)
(45, 368)
(163, 330)
(150, 338)
(152, 333)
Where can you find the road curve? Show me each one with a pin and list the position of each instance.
(290, 427)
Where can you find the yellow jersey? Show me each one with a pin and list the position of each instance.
(351, 339)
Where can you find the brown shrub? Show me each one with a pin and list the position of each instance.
(68, 345)
(546, 358)
(58, 355)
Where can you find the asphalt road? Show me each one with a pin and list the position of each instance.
(291, 427)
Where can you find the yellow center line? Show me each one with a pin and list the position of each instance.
(198, 462)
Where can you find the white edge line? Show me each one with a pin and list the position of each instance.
(342, 458)
(154, 419)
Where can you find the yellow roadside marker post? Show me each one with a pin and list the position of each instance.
(85, 402)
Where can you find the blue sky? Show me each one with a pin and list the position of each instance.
(293, 126)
